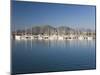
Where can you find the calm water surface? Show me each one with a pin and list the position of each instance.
(47, 56)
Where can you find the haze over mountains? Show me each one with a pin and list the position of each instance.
(50, 30)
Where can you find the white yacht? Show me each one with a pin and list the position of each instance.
(90, 38)
(17, 37)
(81, 38)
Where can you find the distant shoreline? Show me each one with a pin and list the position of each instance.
(48, 32)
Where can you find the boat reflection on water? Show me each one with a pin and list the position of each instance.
(57, 43)
(52, 55)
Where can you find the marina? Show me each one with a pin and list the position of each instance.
(48, 32)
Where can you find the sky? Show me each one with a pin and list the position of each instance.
(28, 14)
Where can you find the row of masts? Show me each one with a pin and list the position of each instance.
(57, 36)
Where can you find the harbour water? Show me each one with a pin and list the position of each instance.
(35, 56)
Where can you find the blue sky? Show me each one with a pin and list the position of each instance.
(28, 14)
